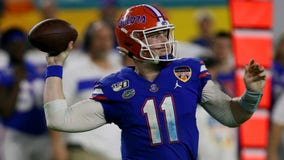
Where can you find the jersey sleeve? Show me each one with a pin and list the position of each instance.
(109, 99)
(204, 75)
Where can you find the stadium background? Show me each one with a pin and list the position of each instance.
(181, 13)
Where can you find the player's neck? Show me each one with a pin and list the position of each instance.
(147, 70)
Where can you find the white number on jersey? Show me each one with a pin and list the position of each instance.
(151, 114)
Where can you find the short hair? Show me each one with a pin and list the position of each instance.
(203, 14)
(89, 31)
(223, 34)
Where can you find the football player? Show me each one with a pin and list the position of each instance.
(154, 102)
(21, 94)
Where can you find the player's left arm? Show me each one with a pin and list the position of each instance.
(234, 111)
(254, 80)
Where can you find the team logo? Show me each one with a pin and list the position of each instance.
(128, 93)
(120, 85)
(129, 20)
(183, 73)
(177, 85)
(153, 88)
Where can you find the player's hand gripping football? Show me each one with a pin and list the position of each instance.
(60, 58)
(254, 77)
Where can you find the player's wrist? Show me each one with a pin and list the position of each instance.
(250, 100)
(56, 60)
(53, 64)
(54, 71)
(254, 89)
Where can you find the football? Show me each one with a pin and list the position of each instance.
(52, 36)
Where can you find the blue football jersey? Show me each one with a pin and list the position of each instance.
(28, 116)
(157, 118)
(277, 80)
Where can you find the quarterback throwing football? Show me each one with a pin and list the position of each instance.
(154, 102)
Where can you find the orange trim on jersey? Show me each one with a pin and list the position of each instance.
(203, 74)
(101, 98)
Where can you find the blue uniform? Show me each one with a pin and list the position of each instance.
(277, 80)
(29, 115)
(26, 135)
(157, 118)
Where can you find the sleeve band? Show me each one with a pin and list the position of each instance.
(54, 71)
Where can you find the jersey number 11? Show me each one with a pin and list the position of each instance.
(151, 114)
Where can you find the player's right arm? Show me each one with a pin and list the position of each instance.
(82, 116)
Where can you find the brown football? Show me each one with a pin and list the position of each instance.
(52, 36)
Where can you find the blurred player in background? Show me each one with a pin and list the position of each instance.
(275, 150)
(4, 63)
(108, 11)
(98, 61)
(278, 70)
(108, 14)
(154, 103)
(221, 47)
(276, 140)
(205, 23)
(4, 60)
(48, 9)
(26, 136)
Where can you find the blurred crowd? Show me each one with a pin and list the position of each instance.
(23, 133)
